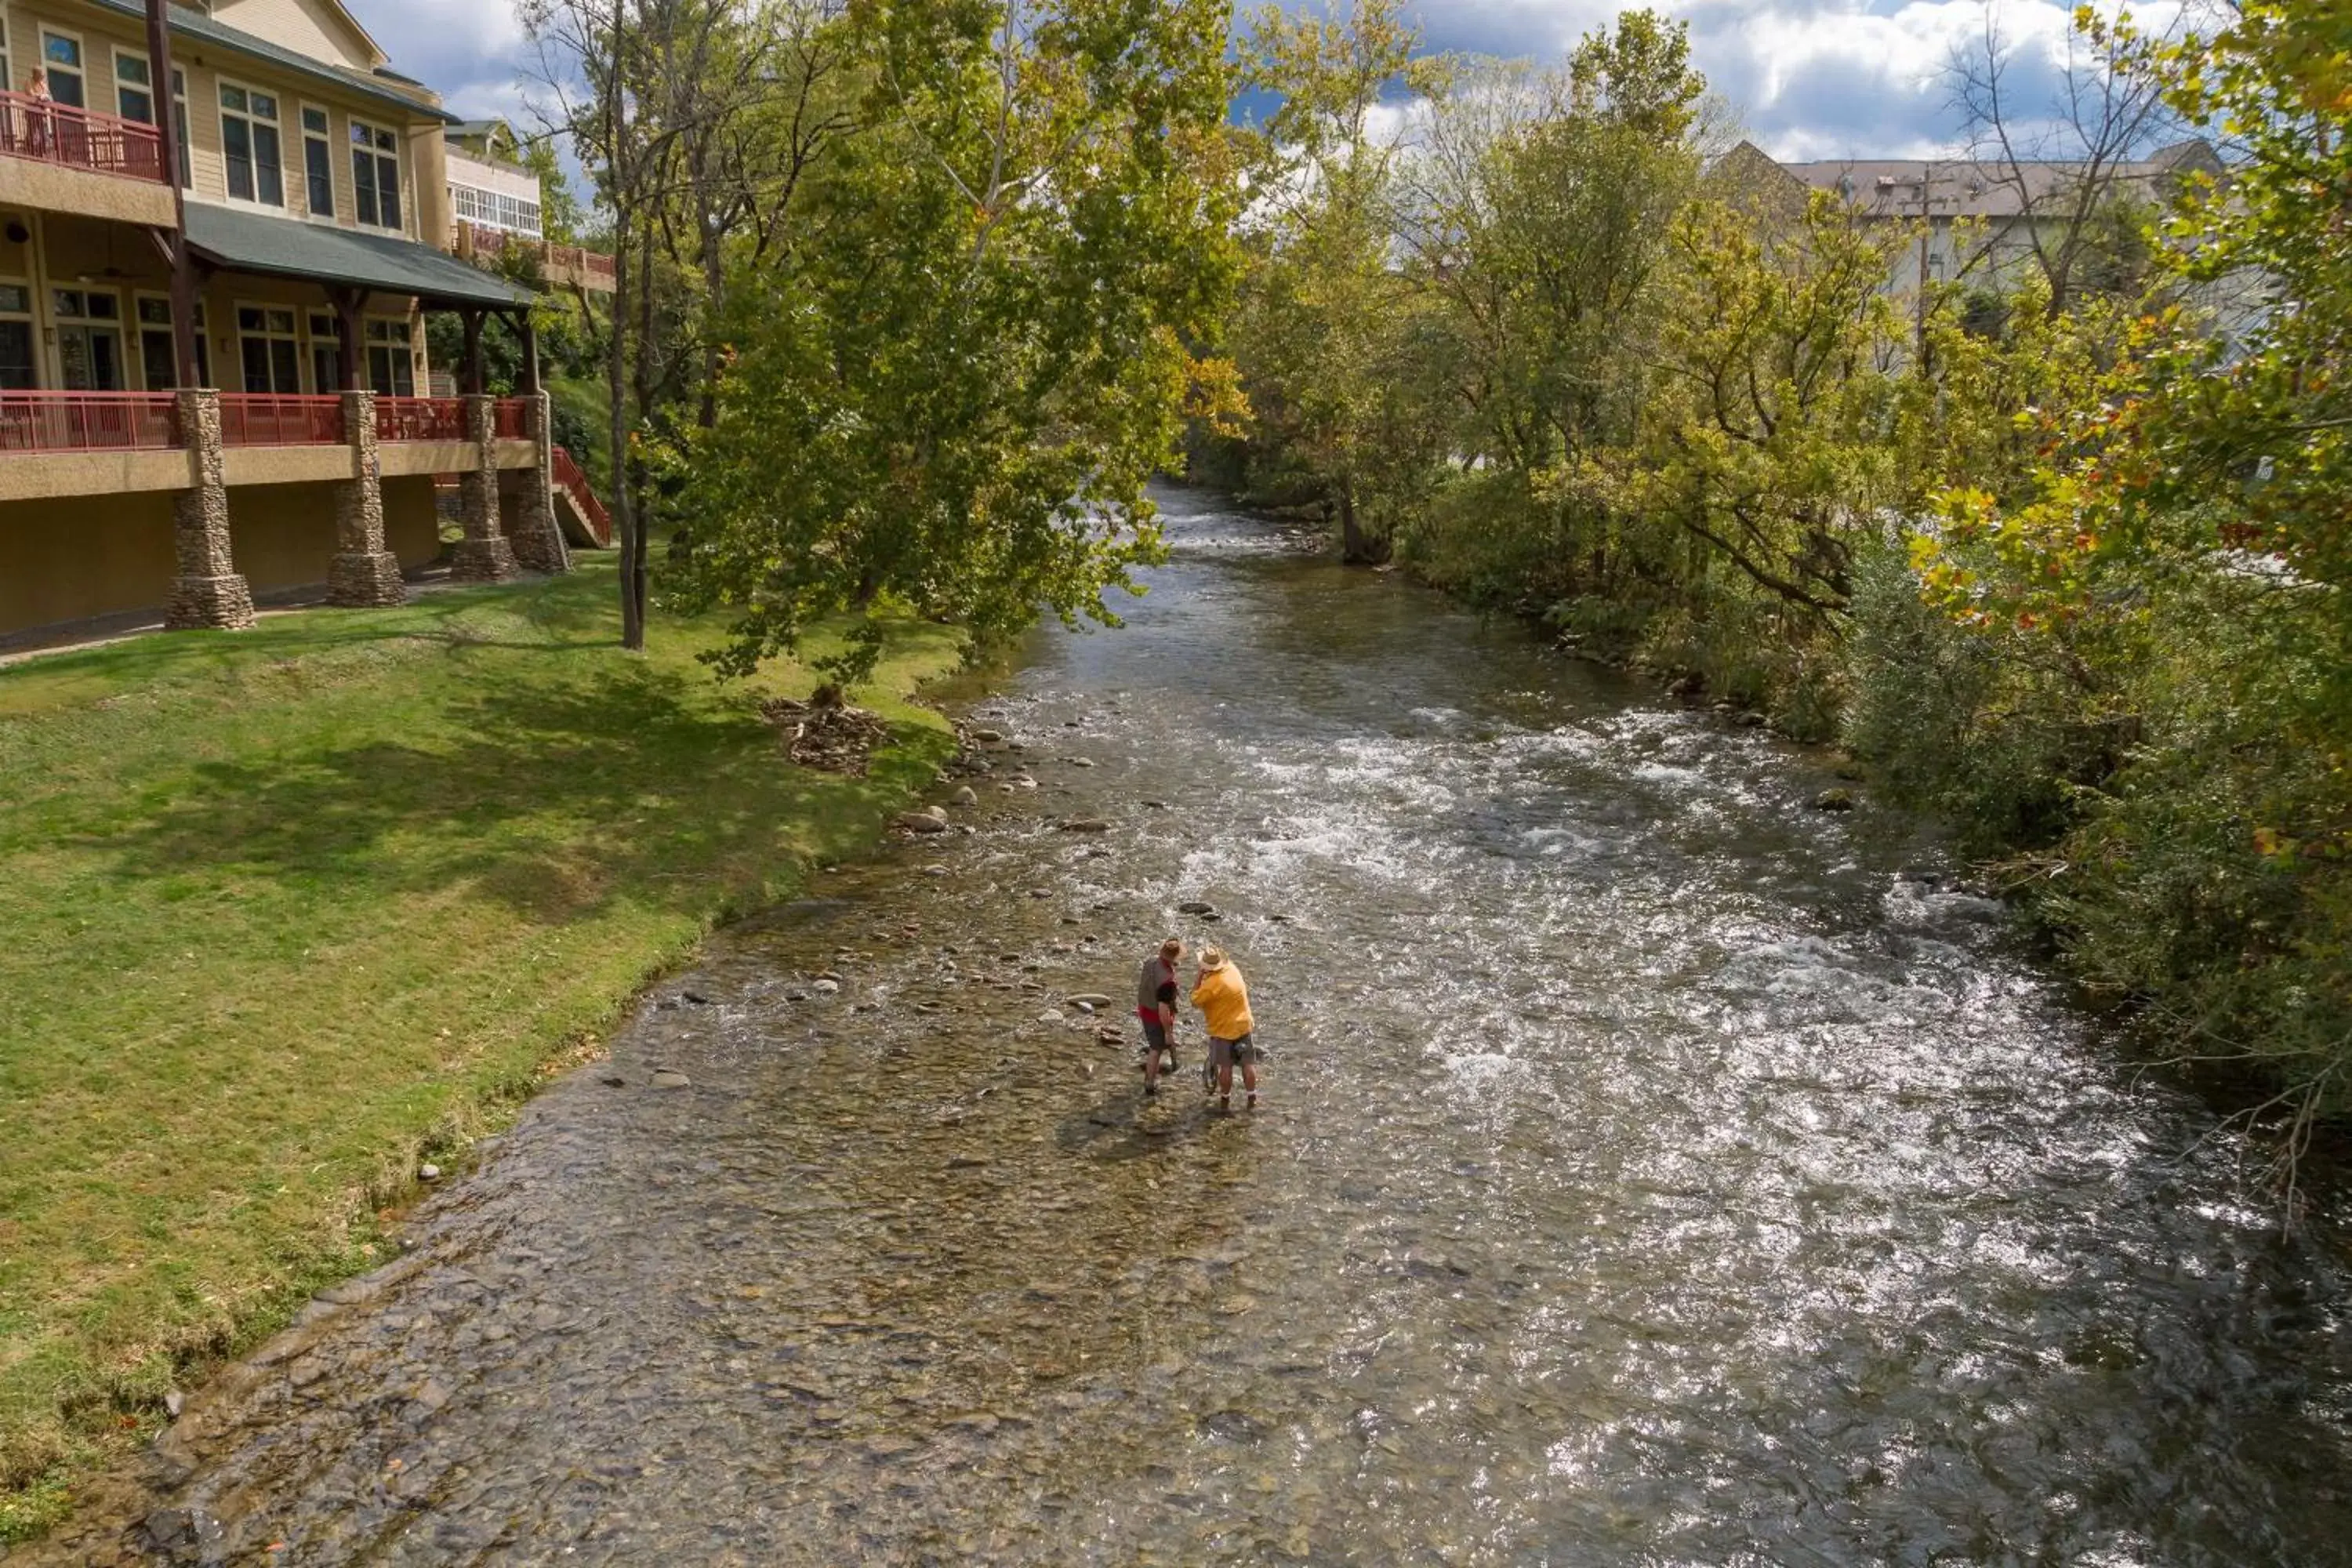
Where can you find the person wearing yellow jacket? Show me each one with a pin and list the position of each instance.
(1222, 997)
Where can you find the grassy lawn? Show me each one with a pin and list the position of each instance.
(288, 910)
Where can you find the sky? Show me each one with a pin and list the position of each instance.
(1808, 79)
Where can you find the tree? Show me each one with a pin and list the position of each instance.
(1324, 295)
(2100, 117)
(949, 401)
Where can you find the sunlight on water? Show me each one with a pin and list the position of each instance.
(1651, 1171)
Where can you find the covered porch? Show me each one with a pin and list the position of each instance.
(318, 467)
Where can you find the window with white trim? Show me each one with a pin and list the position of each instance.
(134, 96)
(326, 352)
(376, 175)
(391, 359)
(8, 81)
(61, 59)
(317, 163)
(250, 143)
(265, 342)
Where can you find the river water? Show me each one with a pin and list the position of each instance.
(1652, 1170)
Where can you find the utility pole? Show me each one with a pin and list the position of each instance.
(161, 94)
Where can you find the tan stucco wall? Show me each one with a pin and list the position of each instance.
(69, 560)
(285, 464)
(52, 187)
(412, 527)
(53, 474)
(282, 536)
(427, 458)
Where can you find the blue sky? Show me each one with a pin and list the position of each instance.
(1811, 79)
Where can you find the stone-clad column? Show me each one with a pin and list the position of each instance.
(363, 573)
(483, 555)
(538, 541)
(208, 591)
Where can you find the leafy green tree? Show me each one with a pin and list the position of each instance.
(950, 400)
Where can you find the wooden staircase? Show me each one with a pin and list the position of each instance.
(578, 512)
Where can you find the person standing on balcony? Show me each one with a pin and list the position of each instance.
(36, 118)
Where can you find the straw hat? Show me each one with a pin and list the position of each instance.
(1212, 958)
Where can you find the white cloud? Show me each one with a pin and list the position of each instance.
(474, 53)
(1810, 79)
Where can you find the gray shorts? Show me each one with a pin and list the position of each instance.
(1232, 1053)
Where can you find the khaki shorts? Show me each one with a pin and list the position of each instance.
(1231, 1053)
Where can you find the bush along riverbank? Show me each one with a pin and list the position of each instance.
(2053, 542)
(297, 912)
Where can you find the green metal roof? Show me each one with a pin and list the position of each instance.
(288, 247)
(196, 27)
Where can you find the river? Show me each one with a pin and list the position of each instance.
(1652, 1170)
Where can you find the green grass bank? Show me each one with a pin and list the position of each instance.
(290, 909)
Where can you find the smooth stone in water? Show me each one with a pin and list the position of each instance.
(1086, 825)
(922, 822)
(1834, 800)
(665, 1078)
(966, 796)
(827, 987)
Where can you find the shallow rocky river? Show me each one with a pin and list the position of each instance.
(1651, 1171)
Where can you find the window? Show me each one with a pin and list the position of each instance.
(17, 365)
(376, 175)
(134, 96)
(317, 163)
(89, 339)
(61, 57)
(265, 339)
(326, 353)
(391, 369)
(158, 359)
(249, 140)
(7, 80)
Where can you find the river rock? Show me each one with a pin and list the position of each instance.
(1088, 999)
(1082, 762)
(429, 1172)
(923, 821)
(665, 1078)
(827, 987)
(966, 796)
(1834, 800)
(1023, 781)
(1051, 1015)
(1196, 907)
(989, 737)
(1086, 825)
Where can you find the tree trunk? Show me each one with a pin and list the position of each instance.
(616, 381)
(1356, 547)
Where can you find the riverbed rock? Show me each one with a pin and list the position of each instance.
(1088, 999)
(989, 737)
(1052, 1016)
(1834, 800)
(1023, 781)
(665, 1078)
(1086, 825)
(429, 1172)
(1196, 907)
(1082, 762)
(826, 987)
(923, 821)
(966, 796)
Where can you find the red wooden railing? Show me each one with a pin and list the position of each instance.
(420, 419)
(88, 421)
(510, 419)
(264, 419)
(569, 479)
(481, 244)
(77, 139)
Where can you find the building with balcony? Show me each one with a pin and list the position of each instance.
(495, 207)
(310, 195)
